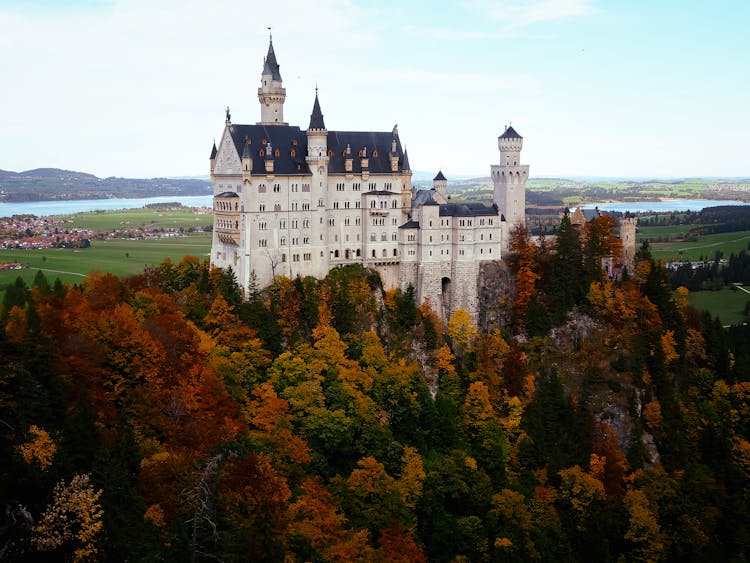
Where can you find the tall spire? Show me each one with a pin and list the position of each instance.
(270, 66)
(316, 117)
(405, 162)
(271, 93)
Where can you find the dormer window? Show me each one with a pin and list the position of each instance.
(261, 153)
(375, 153)
(294, 142)
(293, 152)
(264, 141)
(276, 153)
(330, 153)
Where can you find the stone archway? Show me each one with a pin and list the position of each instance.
(446, 296)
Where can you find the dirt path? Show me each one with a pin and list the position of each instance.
(63, 272)
(712, 244)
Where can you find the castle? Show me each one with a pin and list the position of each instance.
(295, 202)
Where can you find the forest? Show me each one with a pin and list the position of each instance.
(166, 416)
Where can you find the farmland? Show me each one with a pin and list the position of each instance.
(704, 247)
(727, 304)
(120, 256)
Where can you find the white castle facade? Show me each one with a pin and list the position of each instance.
(295, 202)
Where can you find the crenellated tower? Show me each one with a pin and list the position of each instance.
(509, 178)
(271, 93)
(627, 237)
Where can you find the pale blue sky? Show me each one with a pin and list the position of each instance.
(597, 88)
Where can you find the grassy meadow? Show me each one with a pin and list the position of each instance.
(727, 304)
(706, 246)
(134, 218)
(121, 257)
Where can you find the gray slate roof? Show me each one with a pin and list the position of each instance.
(316, 118)
(440, 176)
(270, 66)
(283, 138)
(475, 209)
(424, 197)
(410, 225)
(510, 133)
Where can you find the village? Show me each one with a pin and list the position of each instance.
(29, 232)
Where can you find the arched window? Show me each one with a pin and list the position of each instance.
(261, 153)
(335, 253)
(373, 253)
(277, 153)
(293, 153)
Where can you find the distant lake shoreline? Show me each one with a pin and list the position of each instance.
(69, 207)
(662, 206)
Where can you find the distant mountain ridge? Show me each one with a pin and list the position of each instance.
(43, 184)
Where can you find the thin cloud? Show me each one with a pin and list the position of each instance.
(523, 13)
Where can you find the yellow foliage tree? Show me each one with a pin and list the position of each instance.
(462, 329)
(580, 490)
(74, 515)
(412, 477)
(643, 528)
(40, 449)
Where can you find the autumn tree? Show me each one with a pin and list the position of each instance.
(73, 517)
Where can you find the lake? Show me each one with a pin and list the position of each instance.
(67, 207)
(665, 206)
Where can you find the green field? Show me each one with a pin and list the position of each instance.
(121, 257)
(133, 218)
(727, 304)
(660, 231)
(705, 246)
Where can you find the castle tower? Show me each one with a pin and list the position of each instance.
(509, 178)
(627, 237)
(317, 160)
(271, 93)
(440, 185)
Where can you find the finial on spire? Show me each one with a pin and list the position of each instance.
(270, 35)
(229, 115)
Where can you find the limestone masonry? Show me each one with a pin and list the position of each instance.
(295, 202)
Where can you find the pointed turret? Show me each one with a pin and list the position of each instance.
(316, 117)
(271, 93)
(212, 159)
(405, 162)
(270, 66)
(247, 162)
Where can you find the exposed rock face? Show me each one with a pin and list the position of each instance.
(495, 289)
(610, 394)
